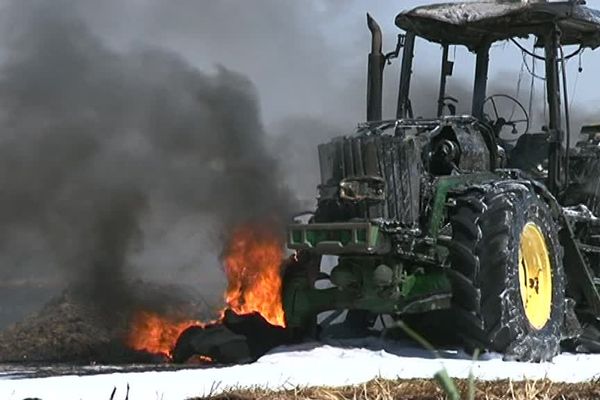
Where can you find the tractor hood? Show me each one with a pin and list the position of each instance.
(378, 173)
(474, 23)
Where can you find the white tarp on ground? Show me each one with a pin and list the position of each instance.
(306, 365)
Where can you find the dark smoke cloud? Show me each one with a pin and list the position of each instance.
(281, 45)
(296, 141)
(96, 145)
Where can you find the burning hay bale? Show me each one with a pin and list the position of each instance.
(74, 328)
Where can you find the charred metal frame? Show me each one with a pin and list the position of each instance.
(556, 153)
(446, 71)
(404, 109)
(481, 77)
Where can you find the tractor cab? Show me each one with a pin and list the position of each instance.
(477, 26)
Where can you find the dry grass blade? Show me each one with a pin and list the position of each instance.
(421, 389)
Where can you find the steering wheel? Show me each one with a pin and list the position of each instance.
(520, 120)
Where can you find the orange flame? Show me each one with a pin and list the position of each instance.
(253, 266)
(252, 261)
(154, 333)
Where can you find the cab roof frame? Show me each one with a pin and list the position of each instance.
(477, 23)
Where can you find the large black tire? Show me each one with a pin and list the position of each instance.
(216, 342)
(236, 339)
(487, 227)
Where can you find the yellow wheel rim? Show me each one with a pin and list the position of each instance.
(535, 276)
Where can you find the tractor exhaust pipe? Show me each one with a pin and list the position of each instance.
(375, 73)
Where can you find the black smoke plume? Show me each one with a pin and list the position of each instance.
(95, 142)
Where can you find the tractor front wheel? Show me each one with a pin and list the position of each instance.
(507, 272)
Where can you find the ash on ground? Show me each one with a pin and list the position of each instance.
(72, 328)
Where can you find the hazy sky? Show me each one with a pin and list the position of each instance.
(306, 57)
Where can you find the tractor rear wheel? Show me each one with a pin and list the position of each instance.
(507, 272)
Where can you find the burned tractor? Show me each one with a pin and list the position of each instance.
(444, 224)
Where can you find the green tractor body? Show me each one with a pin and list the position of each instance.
(443, 222)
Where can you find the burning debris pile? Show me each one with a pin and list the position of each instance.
(73, 328)
(253, 264)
